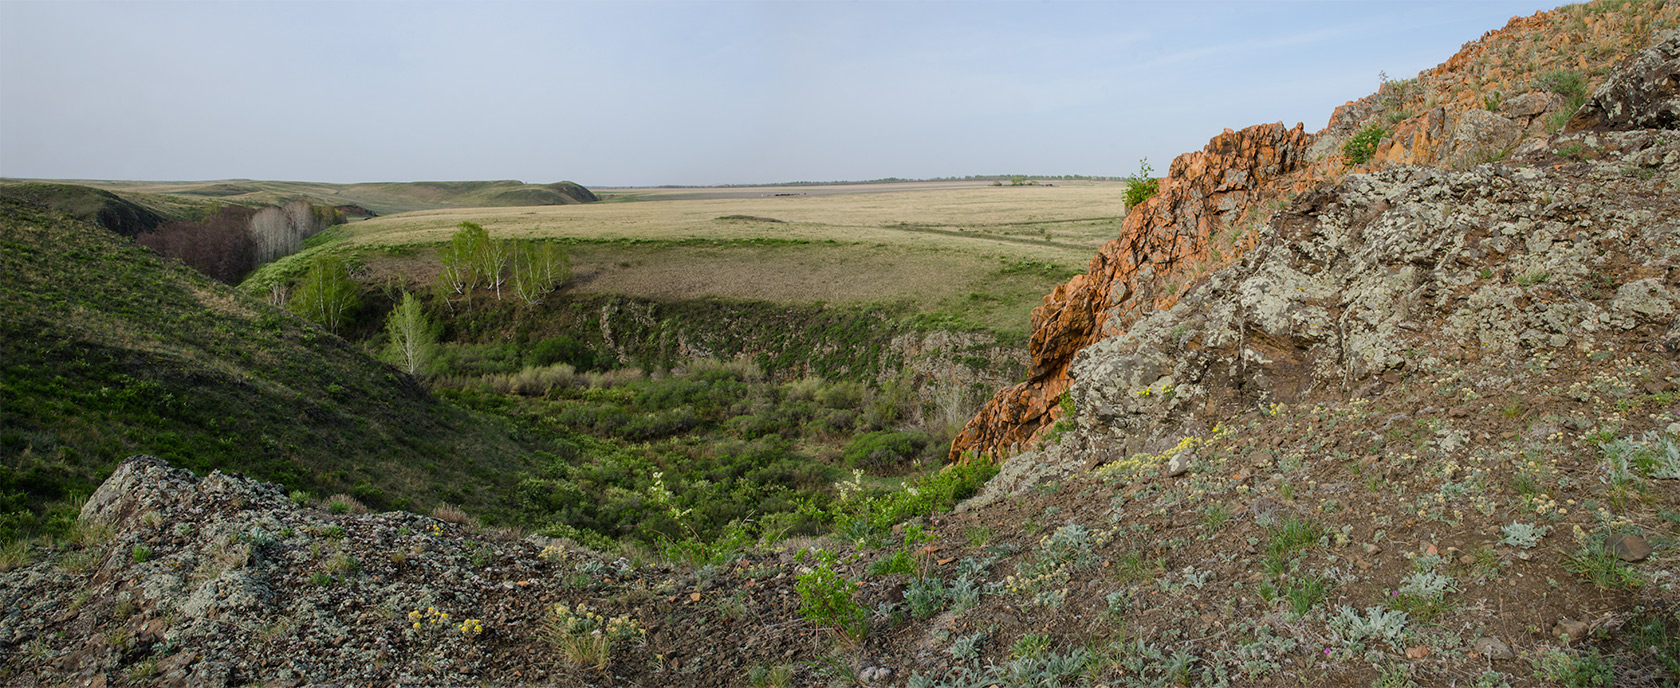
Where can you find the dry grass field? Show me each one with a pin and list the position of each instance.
(981, 253)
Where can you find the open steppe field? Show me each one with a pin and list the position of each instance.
(987, 252)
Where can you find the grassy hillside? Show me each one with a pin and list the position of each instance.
(110, 350)
(381, 197)
(88, 204)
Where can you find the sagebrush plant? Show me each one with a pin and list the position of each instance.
(1523, 535)
(925, 596)
(1359, 149)
(1044, 577)
(1355, 631)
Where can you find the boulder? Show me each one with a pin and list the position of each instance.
(1642, 93)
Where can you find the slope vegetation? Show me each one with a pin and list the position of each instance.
(88, 204)
(111, 350)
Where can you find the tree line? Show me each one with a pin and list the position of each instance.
(472, 260)
(231, 241)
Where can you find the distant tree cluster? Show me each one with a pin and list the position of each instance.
(233, 240)
(472, 259)
(220, 246)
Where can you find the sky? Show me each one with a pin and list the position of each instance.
(629, 93)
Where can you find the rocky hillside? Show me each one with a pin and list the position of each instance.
(1502, 94)
(1399, 425)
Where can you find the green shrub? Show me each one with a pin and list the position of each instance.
(1564, 82)
(885, 449)
(567, 349)
(1140, 186)
(826, 597)
(326, 296)
(1590, 670)
(863, 514)
(1359, 149)
(1572, 87)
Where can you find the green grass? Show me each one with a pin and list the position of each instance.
(1291, 535)
(87, 204)
(113, 351)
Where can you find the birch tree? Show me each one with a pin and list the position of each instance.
(327, 295)
(492, 262)
(413, 337)
(537, 269)
(460, 258)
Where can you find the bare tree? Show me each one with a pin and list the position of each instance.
(218, 246)
(272, 232)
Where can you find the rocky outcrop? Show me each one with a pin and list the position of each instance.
(178, 580)
(1202, 197)
(1644, 93)
(1479, 106)
(1408, 268)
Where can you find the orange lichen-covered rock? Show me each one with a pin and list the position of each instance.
(1162, 240)
(1477, 106)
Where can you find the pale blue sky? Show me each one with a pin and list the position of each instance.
(647, 93)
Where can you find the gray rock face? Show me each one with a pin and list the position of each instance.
(1530, 104)
(1643, 93)
(1410, 268)
(1482, 133)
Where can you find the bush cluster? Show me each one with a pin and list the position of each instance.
(1359, 149)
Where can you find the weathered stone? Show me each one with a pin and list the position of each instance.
(1493, 648)
(1179, 464)
(1481, 134)
(1203, 194)
(1629, 547)
(1642, 93)
(1646, 300)
(1574, 630)
(1530, 104)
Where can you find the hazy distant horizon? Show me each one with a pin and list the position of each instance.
(647, 94)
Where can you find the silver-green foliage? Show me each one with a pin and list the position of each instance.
(1427, 585)
(1047, 669)
(925, 597)
(967, 648)
(1524, 536)
(1354, 631)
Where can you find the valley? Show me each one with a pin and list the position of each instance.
(1393, 403)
